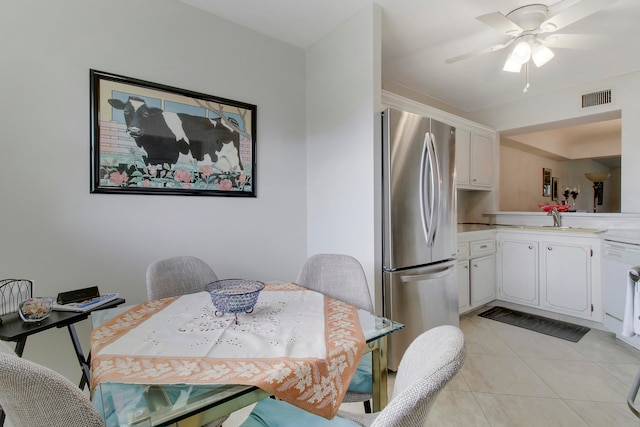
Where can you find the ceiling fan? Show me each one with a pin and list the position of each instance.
(527, 27)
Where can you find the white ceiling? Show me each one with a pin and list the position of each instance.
(418, 35)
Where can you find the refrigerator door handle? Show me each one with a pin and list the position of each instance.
(426, 157)
(436, 180)
(429, 165)
(428, 276)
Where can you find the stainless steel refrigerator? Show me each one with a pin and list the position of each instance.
(419, 220)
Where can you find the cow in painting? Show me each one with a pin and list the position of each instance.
(165, 135)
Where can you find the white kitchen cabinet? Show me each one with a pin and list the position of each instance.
(476, 270)
(566, 284)
(553, 271)
(474, 160)
(482, 280)
(464, 295)
(518, 269)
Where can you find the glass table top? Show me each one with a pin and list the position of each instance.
(123, 404)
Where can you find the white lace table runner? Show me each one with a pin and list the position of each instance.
(297, 344)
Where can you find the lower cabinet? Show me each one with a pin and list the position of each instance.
(550, 272)
(464, 295)
(566, 284)
(482, 280)
(476, 271)
(518, 270)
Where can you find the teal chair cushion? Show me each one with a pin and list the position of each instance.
(276, 413)
(361, 381)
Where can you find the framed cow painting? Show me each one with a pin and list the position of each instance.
(148, 138)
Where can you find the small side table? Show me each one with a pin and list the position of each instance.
(14, 329)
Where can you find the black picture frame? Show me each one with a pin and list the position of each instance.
(149, 138)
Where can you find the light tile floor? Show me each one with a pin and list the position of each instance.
(513, 377)
(516, 377)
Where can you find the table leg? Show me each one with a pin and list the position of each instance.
(84, 365)
(20, 346)
(379, 372)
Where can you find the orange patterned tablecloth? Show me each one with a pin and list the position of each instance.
(299, 345)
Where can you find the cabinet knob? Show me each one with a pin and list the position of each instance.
(549, 248)
(530, 246)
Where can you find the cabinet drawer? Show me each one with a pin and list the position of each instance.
(480, 247)
(463, 250)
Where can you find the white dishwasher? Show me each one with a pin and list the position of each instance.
(619, 255)
(621, 252)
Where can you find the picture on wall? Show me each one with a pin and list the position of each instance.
(148, 138)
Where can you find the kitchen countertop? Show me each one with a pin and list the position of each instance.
(631, 236)
(465, 228)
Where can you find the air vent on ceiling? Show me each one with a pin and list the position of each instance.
(596, 98)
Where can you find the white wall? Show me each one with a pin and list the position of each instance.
(343, 90)
(564, 105)
(61, 236)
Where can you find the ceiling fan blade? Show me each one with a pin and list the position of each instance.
(478, 52)
(574, 13)
(569, 41)
(500, 22)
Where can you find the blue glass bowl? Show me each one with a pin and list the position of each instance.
(234, 295)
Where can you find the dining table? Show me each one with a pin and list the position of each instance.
(179, 359)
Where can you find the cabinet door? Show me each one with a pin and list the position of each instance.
(463, 147)
(518, 271)
(566, 281)
(482, 280)
(462, 270)
(481, 168)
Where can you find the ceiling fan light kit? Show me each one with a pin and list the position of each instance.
(525, 24)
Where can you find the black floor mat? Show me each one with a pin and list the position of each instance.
(555, 328)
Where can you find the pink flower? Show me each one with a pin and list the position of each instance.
(182, 175)
(206, 170)
(226, 185)
(242, 178)
(118, 178)
(153, 170)
(146, 183)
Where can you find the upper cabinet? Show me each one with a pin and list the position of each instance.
(474, 160)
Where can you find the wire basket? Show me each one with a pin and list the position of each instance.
(234, 295)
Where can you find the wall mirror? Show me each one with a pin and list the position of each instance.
(546, 182)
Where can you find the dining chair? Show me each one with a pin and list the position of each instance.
(33, 395)
(12, 293)
(178, 275)
(428, 364)
(342, 277)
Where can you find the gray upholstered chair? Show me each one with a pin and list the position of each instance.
(429, 363)
(342, 277)
(33, 395)
(178, 276)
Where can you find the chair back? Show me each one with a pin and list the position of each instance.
(338, 276)
(33, 395)
(178, 276)
(431, 360)
(12, 293)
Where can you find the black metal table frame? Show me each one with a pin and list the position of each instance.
(15, 330)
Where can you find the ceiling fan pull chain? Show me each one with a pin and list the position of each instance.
(526, 77)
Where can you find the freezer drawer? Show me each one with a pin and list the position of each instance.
(420, 298)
